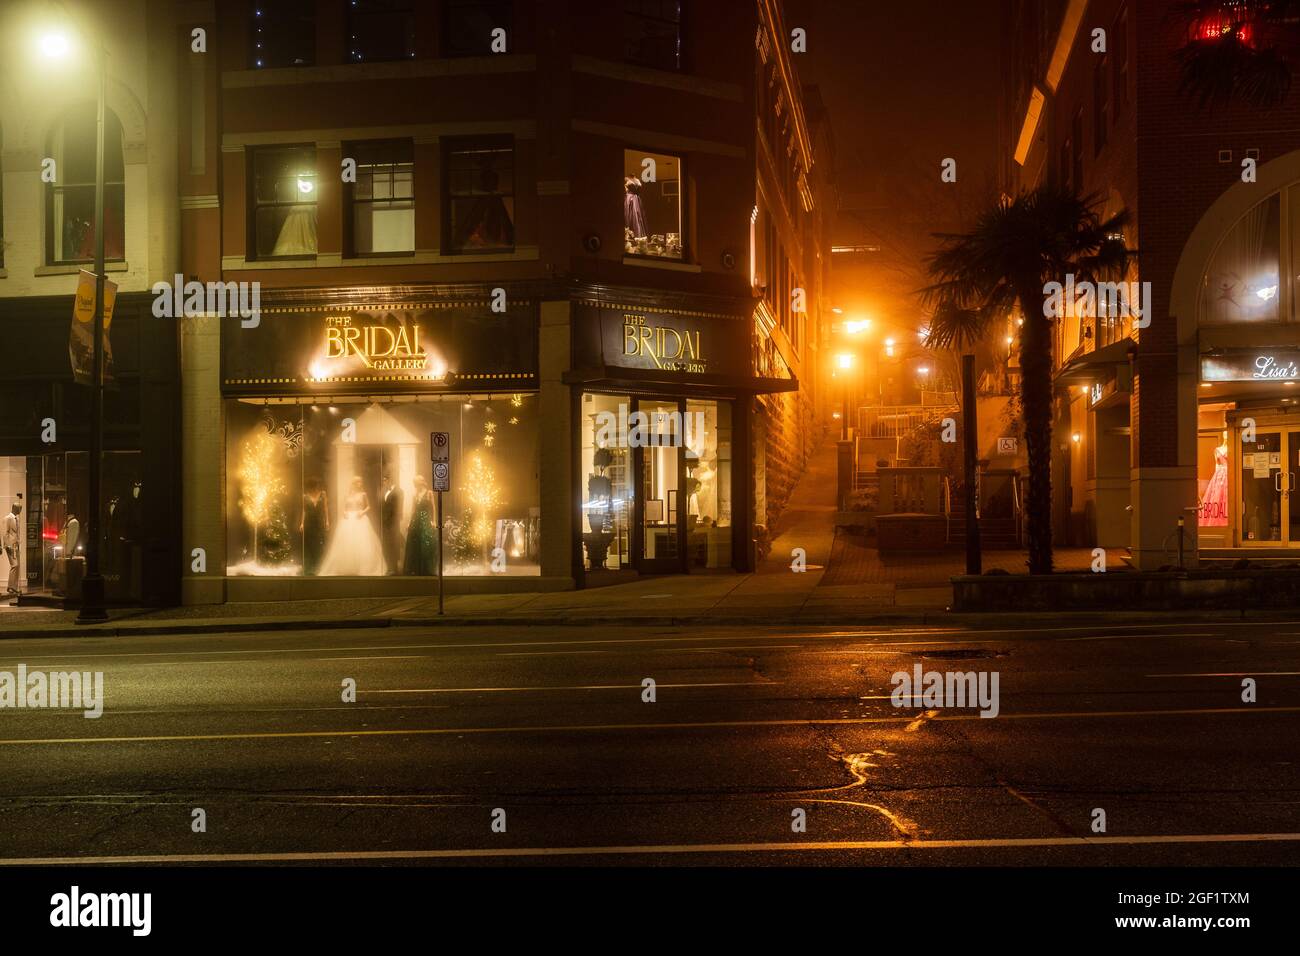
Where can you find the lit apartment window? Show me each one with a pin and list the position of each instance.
(652, 204)
(382, 208)
(70, 199)
(652, 33)
(284, 33)
(380, 30)
(283, 214)
(478, 195)
(468, 25)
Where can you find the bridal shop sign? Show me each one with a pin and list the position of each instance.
(345, 348)
(1251, 365)
(678, 345)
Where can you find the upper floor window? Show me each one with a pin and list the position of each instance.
(380, 30)
(652, 204)
(468, 25)
(1243, 280)
(478, 195)
(652, 33)
(284, 33)
(382, 207)
(283, 214)
(70, 199)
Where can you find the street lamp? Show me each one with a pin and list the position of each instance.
(844, 362)
(58, 45)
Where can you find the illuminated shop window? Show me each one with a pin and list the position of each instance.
(383, 198)
(70, 199)
(479, 195)
(652, 33)
(652, 204)
(342, 487)
(380, 30)
(1243, 281)
(284, 202)
(283, 34)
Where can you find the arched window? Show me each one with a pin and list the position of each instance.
(70, 198)
(1243, 280)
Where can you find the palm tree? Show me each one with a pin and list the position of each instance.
(1238, 49)
(1016, 248)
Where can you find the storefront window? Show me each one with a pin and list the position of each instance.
(344, 487)
(479, 195)
(1242, 283)
(708, 484)
(652, 204)
(606, 482)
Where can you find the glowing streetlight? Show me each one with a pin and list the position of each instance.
(844, 360)
(889, 347)
(55, 46)
(856, 326)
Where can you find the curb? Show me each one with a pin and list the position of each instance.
(931, 616)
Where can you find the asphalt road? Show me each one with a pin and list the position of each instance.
(747, 727)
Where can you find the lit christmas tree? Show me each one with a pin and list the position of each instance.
(259, 487)
(484, 498)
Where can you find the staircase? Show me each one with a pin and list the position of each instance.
(1000, 531)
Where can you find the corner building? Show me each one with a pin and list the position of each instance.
(526, 225)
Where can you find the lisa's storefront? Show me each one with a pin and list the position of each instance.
(1248, 451)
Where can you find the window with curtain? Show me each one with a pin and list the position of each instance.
(283, 33)
(380, 30)
(479, 195)
(467, 26)
(652, 33)
(1243, 281)
(70, 199)
(283, 217)
(382, 210)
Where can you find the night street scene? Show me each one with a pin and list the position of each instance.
(736, 453)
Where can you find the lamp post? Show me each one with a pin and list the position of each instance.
(844, 362)
(58, 46)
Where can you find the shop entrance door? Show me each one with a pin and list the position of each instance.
(658, 464)
(1269, 506)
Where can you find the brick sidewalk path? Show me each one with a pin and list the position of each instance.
(854, 560)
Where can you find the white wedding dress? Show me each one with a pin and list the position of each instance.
(355, 548)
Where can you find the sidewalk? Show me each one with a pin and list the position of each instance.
(846, 583)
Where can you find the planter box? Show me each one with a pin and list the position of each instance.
(911, 532)
(1128, 590)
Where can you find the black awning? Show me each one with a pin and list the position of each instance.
(609, 378)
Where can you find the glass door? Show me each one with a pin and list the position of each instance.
(1262, 490)
(656, 437)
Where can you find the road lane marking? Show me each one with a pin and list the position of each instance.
(823, 846)
(1129, 637)
(1232, 674)
(491, 690)
(690, 725)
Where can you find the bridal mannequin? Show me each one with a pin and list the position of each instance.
(355, 549)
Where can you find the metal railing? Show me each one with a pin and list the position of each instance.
(897, 421)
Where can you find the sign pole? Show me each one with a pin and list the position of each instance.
(439, 508)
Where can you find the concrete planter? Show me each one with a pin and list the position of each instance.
(1130, 590)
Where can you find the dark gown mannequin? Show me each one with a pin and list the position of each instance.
(313, 533)
(421, 546)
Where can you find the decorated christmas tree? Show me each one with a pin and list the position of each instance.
(260, 487)
(484, 497)
(275, 546)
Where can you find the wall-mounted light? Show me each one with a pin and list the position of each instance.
(1076, 438)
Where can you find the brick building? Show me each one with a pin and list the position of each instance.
(1190, 416)
(47, 175)
(519, 224)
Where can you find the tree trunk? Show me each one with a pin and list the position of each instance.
(1036, 408)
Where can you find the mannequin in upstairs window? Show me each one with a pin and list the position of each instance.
(633, 213)
(487, 223)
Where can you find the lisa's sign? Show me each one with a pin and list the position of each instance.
(1251, 365)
